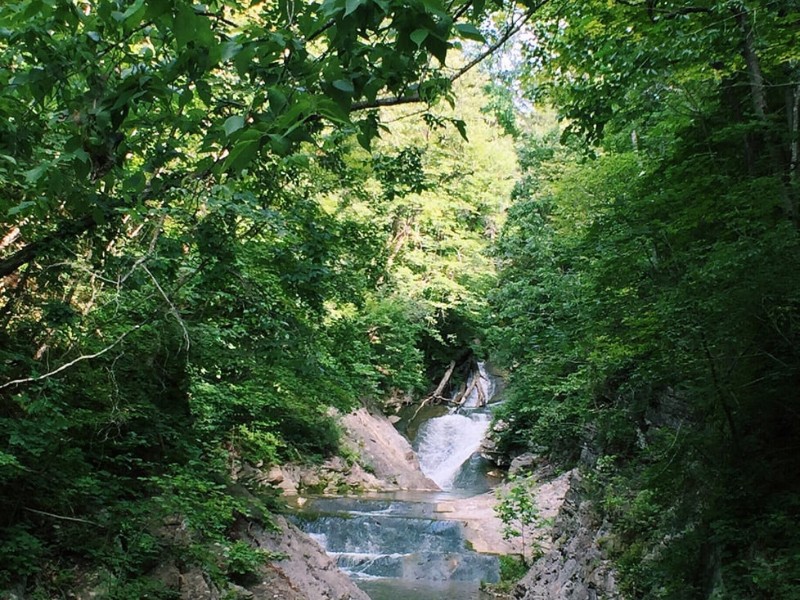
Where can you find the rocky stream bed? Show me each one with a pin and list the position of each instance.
(402, 521)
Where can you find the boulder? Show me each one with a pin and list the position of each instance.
(385, 450)
(523, 463)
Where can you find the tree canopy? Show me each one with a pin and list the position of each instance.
(199, 231)
(220, 220)
(647, 303)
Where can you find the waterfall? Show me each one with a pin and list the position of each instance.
(406, 548)
(398, 549)
(445, 444)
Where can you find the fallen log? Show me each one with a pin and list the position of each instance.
(437, 393)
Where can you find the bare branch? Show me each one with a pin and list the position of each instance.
(513, 28)
(390, 101)
(461, 11)
(70, 363)
(150, 249)
(10, 237)
(61, 517)
(172, 309)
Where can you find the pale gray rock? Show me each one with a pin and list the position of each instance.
(574, 567)
(523, 463)
(386, 462)
(194, 585)
(311, 573)
(385, 450)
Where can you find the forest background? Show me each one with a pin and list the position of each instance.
(210, 237)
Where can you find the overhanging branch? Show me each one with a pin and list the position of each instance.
(513, 28)
(29, 252)
(72, 362)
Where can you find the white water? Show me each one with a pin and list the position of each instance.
(445, 443)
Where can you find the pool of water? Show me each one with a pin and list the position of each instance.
(401, 589)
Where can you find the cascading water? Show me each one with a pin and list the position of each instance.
(399, 550)
(446, 444)
(406, 549)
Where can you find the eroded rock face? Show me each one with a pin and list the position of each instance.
(574, 568)
(386, 462)
(385, 450)
(523, 463)
(489, 449)
(307, 573)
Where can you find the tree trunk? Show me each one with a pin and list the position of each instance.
(761, 111)
(437, 393)
(29, 252)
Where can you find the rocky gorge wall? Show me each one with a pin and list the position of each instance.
(573, 565)
(304, 573)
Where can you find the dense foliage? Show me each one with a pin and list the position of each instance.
(648, 300)
(209, 239)
(200, 246)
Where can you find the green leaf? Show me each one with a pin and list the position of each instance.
(344, 85)
(204, 91)
(185, 97)
(9, 460)
(329, 8)
(230, 49)
(352, 5)
(22, 206)
(136, 182)
(433, 6)
(233, 124)
(332, 111)
(98, 216)
(368, 130)
(156, 8)
(418, 36)
(279, 144)
(437, 47)
(33, 175)
(462, 128)
(243, 151)
(372, 88)
(81, 155)
(189, 26)
(277, 99)
(470, 32)
(132, 10)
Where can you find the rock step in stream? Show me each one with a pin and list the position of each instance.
(399, 546)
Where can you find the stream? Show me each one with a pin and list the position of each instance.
(401, 545)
